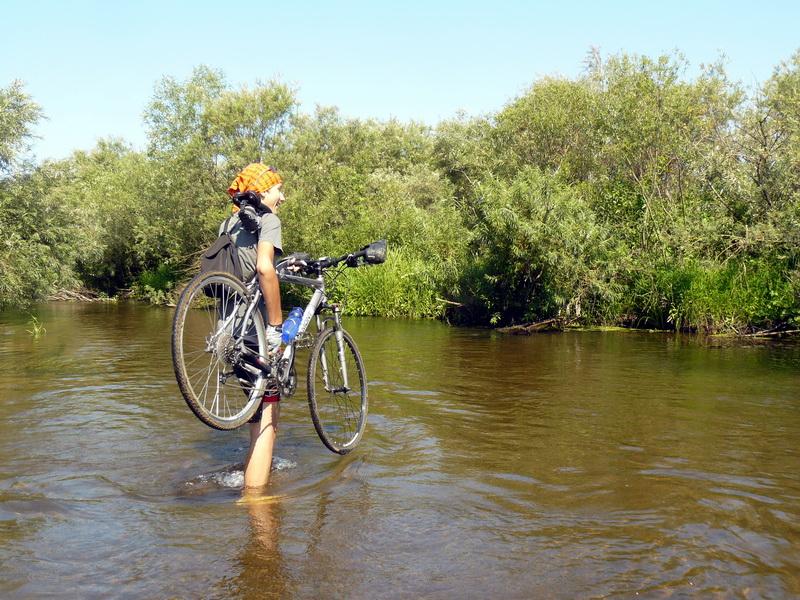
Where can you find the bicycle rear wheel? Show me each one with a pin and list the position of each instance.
(208, 336)
(337, 393)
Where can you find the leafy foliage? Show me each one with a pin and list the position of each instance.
(632, 194)
(18, 114)
(538, 251)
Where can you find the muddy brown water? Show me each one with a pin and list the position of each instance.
(583, 464)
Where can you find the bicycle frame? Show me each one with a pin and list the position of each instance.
(318, 299)
(221, 347)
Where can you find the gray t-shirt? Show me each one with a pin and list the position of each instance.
(269, 231)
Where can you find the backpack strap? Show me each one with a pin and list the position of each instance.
(226, 228)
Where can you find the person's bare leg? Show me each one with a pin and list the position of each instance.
(262, 440)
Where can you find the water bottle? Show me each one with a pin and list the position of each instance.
(292, 324)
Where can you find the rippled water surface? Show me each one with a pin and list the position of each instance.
(567, 465)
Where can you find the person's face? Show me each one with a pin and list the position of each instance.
(273, 197)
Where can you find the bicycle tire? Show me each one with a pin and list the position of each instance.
(339, 415)
(202, 349)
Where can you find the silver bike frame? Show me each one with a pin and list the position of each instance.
(318, 298)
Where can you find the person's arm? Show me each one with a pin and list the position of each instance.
(268, 280)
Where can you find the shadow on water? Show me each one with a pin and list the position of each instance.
(569, 465)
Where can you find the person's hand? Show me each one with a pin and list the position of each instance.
(295, 264)
(273, 338)
(295, 267)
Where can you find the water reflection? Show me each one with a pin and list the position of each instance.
(262, 571)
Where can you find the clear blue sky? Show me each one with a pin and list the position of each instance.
(93, 65)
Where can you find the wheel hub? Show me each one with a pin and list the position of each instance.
(225, 349)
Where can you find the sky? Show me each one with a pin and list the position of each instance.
(93, 65)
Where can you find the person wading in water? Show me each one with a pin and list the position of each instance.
(258, 251)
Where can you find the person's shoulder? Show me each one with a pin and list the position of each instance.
(270, 219)
(228, 223)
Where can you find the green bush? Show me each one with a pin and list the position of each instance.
(538, 252)
(709, 297)
(404, 286)
(739, 295)
(157, 286)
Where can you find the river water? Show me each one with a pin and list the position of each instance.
(582, 464)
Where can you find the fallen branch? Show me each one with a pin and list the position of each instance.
(555, 324)
(81, 295)
(449, 302)
(772, 333)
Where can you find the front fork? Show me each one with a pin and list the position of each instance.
(339, 334)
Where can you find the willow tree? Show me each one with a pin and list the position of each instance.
(201, 132)
(24, 255)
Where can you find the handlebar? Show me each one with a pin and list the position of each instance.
(373, 254)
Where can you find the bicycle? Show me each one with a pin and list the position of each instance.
(221, 360)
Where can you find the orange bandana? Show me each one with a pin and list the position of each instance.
(255, 177)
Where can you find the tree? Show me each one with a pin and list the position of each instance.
(18, 115)
(201, 133)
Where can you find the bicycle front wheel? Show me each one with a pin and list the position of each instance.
(337, 391)
(209, 338)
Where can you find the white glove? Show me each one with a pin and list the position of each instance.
(273, 338)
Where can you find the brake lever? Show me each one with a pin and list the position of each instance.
(352, 261)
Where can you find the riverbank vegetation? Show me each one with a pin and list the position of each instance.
(635, 194)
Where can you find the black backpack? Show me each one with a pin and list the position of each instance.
(222, 255)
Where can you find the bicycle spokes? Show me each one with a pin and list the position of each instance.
(215, 329)
(337, 409)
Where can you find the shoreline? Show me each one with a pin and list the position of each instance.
(781, 331)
